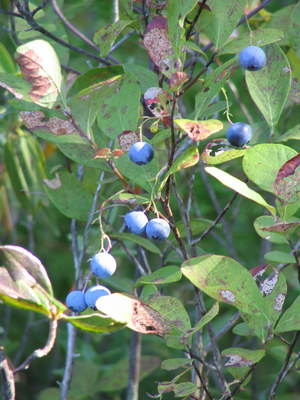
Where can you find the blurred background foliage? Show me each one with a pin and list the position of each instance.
(47, 232)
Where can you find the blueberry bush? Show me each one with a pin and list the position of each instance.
(149, 199)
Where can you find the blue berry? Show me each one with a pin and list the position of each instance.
(103, 264)
(135, 222)
(141, 153)
(252, 58)
(93, 294)
(76, 301)
(239, 134)
(157, 229)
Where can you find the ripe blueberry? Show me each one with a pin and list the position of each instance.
(135, 222)
(252, 58)
(157, 229)
(239, 134)
(141, 153)
(93, 294)
(103, 264)
(76, 301)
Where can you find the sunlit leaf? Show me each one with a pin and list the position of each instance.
(199, 130)
(162, 276)
(267, 94)
(219, 150)
(239, 186)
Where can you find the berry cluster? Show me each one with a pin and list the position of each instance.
(137, 222)
(102, 265)
(252, 58)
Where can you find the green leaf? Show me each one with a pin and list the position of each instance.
(198, 225)
(41, 68)
(224, 279)
(239, 186)
(24, 283)
(133, 198)
(146, 243)
(263, 222)
(145, 77)
(225, 16)
(69, 195)
(94, 322)
(177, 11)
(241, 360)
(15, 85)
(25, 164)
(267, 94)
(89, 102)
(6, 62)
(172, 310)
(184, 389)
(218, 151)
(294, 31)
(291, 134)
(263, 161)
(162, 276)
(83, 154)
(175, 363)
(116, 376)
(187, 159)
(117, 114)
(213, 84)
(259, 37)
(199, 130)
(211, 314)
(141, 175)
(105, 37)
(93, 77)
(290, 321)
(280, 257)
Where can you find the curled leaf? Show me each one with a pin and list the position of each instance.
(218, 151)
(287, 183)
(41, 68)
(107, 153)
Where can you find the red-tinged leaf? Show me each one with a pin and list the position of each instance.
(218, 151)
(159, 47)
(117, 153)
(158, 102)
(287, 183)
(34, 120)
(199, 130)
(127, 139)
(177, 80)
(102, 153)
(259, 270)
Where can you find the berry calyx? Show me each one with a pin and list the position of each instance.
(135, 222)
(252, 58)
(141, 153)
(76, 301)
(239, 134)
(103, 265)
(93, 294)
(157, 229)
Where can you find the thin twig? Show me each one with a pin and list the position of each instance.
(284, 367)
(202, 381)
(239, 386)
(43, 351)
(65, 384)
(189, 31)
(8, 382)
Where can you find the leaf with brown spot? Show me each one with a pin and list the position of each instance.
(107, 153)
(199, 130)
(34, 120)
(218, 151)
(158, 102)
(137, 315)
(287, 183)
(41, 68)
(177, 80)
(158, 46)
(126, 139)
(281, 227)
